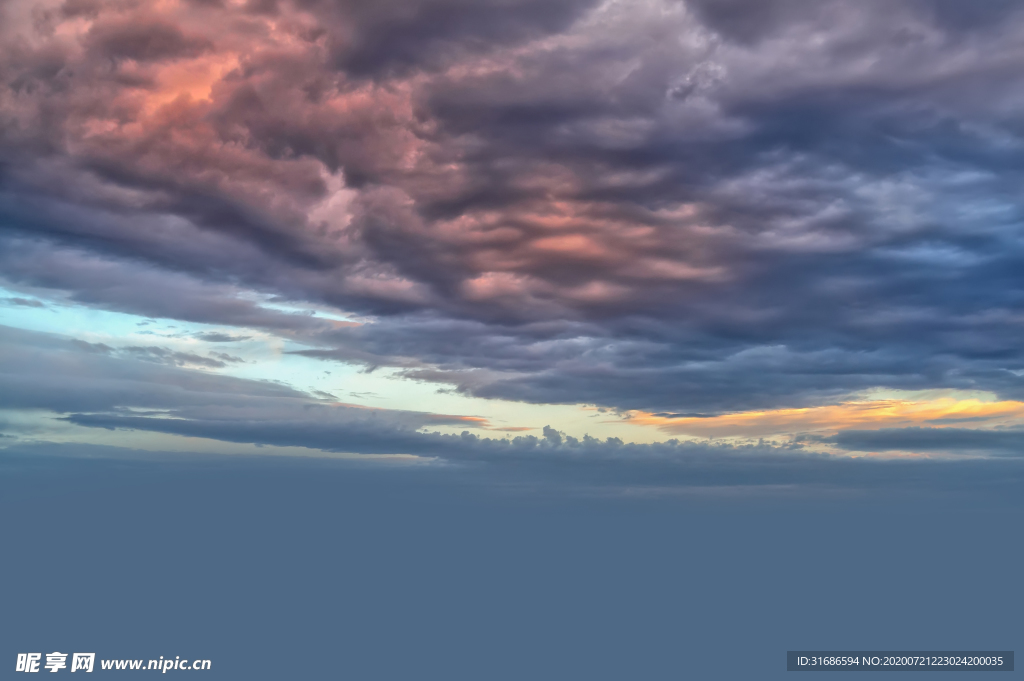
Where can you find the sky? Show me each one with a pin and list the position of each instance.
(728, 249)
(746, 222)
(646, 221)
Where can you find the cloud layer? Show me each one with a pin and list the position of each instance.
(686, 207)
(83, 385)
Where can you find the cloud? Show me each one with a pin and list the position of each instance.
(47, 372)
(699, 207)
(23, 302)
(143, 41)
(289, 422)
(216, 360)
(873, 414)
(77, 276)
(1009, 442)
(219, 337)
(651, 366)
(160, 355)
(555, 458)
(397, 35)
(89, 385)
(40, 371)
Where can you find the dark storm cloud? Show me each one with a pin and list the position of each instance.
(696, 207)
(749, 21)
(636, 365)
(394, 35)
(144, 41)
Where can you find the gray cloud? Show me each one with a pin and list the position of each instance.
(1005, 442)
(23, 302)
(40, 371)
(555, 457)
(143, 41)
(401, 35)
(218, 337)
(671, 206)
(93, 386)
(215, 360)
(79, 276)
(159, 355)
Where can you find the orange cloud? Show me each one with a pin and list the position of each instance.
(866, 415)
